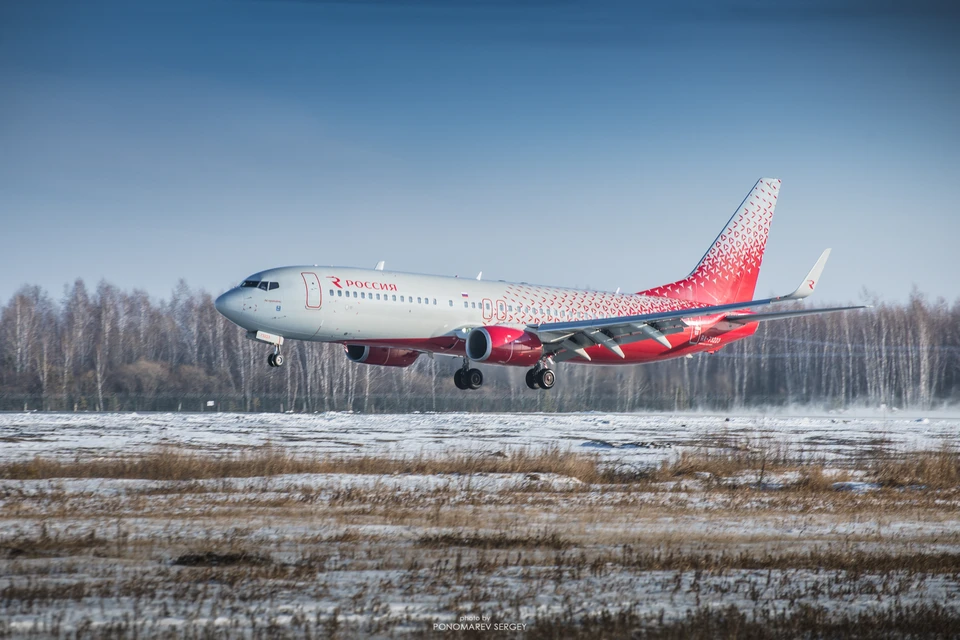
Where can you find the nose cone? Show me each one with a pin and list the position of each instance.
(230, 305)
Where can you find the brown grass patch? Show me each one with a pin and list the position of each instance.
(854, 561)
(715, 465)
(48, 544)
(728, 457)
(934, 469)
(212, 559)
(179, 464)
(931, 620)
(498, 540)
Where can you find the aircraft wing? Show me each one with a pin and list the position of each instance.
(570, 339)
(747, 318)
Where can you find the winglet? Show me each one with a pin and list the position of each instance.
(806, 289)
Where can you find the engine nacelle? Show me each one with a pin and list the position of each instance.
(383, 356)
(503, 345)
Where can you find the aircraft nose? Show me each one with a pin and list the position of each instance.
(230, 305)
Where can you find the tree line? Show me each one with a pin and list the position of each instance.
(107, 349)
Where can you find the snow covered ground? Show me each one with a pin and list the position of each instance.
(313, 554)
(629, 438)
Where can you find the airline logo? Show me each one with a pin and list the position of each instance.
(362, 284)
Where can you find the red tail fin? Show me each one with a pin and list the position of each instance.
(728, 271)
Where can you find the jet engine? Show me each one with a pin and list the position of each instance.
(503, 345)
(383, 356)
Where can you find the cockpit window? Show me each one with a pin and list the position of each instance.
(260, 284)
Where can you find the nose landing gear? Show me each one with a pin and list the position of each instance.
(275, 359)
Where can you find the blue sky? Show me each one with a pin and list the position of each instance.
(578, 144)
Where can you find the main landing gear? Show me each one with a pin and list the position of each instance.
(467, 378)
(540, 377)
(275, 359)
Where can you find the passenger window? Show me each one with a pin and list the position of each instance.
(434, 302)
(473, 305)
(331, 292)
(466, 304)
(401, 299)
(378, 296)
(418, 300)
(274, 285)
(510, 308)
(354, 294)
(395, 298)
(363, 295)
(339, 293)
(451, 303)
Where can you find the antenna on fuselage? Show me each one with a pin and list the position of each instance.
(379, 266)
(479, 275)
(618, 290)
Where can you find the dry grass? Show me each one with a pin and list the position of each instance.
(727, 457)
(214, 559)
(50, 544)
(172, 464)
(707, 622)
(717, 465)
(934, 469)
(324, 557)
(853, 560)
(500, 540)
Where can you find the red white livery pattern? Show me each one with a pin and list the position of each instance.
(389, 318)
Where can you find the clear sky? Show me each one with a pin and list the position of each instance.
(571, 143)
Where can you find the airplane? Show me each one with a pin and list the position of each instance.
(390, 318)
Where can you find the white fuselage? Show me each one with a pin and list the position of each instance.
(337, 304)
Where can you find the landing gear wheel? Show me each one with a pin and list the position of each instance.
(271, 360)
(473, 378)
(546, 378)
(532, 379)
(278, 360)
(458, 380)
